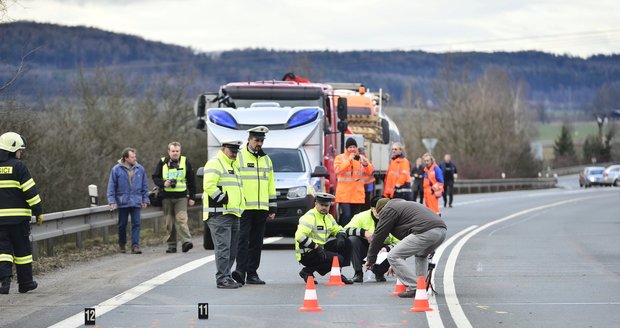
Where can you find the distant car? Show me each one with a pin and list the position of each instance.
(611, 176)
(591, 176)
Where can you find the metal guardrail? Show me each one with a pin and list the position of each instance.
(495, 185)
(575, 169)
(79, 221)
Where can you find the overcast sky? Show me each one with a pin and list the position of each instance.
(575, 27)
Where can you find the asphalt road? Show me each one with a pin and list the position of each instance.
(544, 258)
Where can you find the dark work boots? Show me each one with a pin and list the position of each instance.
(26, 287)
(5, 286)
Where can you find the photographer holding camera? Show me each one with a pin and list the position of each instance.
(175, 178)
(352, 172)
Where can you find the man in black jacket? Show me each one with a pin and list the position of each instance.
(449, 174)
(420, 232)
(175, 178)
(19, 201)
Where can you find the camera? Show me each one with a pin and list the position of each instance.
(356, 157)
(173, 183)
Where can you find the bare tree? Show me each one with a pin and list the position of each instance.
(482, 123)
(19, 69)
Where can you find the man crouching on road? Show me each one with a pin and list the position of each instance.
(420, 232)
(360, 231)
(319, 238)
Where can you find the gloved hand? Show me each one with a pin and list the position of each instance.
(341, 242)
(320, 252)
(222, 200)
(39, 219)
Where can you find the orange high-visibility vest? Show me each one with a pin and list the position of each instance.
(398, 173)
(351, 176)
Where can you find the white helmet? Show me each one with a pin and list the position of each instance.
(12, 142)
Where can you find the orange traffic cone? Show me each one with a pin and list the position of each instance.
(399, 288)
(311, 302)
(335, 277)
(420, 302)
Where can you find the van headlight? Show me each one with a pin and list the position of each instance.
(297, 192)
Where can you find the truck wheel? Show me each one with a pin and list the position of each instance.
(208, 241)
(615, 183)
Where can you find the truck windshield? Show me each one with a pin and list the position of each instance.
(286, 160)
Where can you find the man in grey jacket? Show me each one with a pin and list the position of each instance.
(420, 232)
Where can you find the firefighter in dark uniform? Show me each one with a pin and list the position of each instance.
(19, 201)
(319, 238)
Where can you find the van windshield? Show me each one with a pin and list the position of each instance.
(286, 160)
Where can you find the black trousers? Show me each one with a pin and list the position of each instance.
(251, 233)
(347, 211)
(418, 190)
(313, 261)
(404, 192)
(15, 242)
(448, 192)
(359, 249)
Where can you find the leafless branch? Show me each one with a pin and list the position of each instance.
(20, 69)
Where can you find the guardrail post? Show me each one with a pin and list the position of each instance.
(156, 225)
(78, 240)
(106, 234)
(35, 250)
(49, 243)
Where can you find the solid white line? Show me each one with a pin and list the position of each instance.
(77, 320)
(433, 317)
(458, 315)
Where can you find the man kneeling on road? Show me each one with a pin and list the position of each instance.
(420, 232)
(319, 238)
(360, 231)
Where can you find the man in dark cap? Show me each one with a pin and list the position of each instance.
(352, 172)
(223, 191)
(420, 232)
(259, 189)
(319, 238)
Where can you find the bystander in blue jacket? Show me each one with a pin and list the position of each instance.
(128, 192)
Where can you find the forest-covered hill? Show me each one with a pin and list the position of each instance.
(555, 80)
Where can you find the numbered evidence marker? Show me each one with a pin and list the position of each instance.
(203, 311)
(89, 316)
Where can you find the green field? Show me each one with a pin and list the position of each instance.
(550, 132)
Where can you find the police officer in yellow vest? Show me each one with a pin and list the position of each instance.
(175, 178)
(225, 204)
(360, 231)
(319, 238)
(259, 189)
(19, 201)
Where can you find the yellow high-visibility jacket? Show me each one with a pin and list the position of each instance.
(222, 178)
(257, 179)
(314, 228)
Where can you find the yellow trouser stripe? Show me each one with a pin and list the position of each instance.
(23, 260)
(6, 258)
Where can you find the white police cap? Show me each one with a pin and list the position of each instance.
(232, 144)
(324, 198)
(258, 131)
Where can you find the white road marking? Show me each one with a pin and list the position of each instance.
(458, 315)
(433, 317)
(104, 307)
